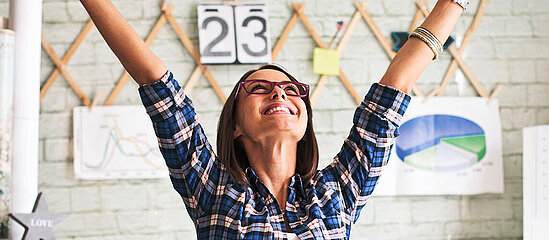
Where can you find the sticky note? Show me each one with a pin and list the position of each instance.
(326, 61)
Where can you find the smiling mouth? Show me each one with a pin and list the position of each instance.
(278, 110)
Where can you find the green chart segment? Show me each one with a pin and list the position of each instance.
(475, 144)
(451, 154)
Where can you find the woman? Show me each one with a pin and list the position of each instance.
(264, 183)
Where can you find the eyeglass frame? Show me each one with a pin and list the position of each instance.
(273, 84)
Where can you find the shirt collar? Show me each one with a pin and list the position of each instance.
(255, 182)
(296, 183)
(252, 177)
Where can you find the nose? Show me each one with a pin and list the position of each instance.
(278, 92)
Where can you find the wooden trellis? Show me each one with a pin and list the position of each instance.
(421, 12)
(361, 8)
(199, 69)
(456, 54)
(299, 14)
(165, 17)
(361, 12)
(60, 65)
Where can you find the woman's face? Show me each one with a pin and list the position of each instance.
(262, 116)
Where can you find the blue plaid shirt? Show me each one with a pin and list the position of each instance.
(224, 209)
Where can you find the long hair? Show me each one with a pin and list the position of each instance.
(232, 154)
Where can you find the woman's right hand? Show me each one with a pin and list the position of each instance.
(129, 48)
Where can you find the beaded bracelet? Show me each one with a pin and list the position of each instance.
(430, 39)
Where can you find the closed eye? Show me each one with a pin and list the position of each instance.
(258, 87)
(291, 89)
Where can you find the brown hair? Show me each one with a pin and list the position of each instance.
(232, 154)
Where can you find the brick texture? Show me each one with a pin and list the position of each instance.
(509, 48)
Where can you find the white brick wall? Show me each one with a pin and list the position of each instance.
(509, 48)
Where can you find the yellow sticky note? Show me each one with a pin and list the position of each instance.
(326, 61)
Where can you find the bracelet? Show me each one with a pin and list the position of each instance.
(430, 39)
(462, 3)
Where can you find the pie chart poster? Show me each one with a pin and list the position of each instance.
(447, 146)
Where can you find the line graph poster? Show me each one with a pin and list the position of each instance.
(447, 146)
(112, 142)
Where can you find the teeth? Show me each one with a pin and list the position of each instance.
(278, 109)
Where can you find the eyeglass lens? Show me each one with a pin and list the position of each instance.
(265, 87)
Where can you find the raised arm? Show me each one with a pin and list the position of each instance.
(415, 55)
(135, 56)
(358, 166)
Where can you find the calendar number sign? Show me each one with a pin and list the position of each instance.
(234, 34)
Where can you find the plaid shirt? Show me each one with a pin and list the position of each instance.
(224, 209)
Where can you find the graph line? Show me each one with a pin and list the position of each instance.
(114, 143)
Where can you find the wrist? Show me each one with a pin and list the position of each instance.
(462, 3)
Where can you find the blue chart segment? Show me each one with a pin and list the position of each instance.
(441, 143)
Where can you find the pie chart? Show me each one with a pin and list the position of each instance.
(440, 143)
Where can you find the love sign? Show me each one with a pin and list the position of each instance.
(234, 34)
(40, 223)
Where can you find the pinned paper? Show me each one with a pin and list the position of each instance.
(326, 61)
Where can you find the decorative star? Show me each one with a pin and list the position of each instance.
(401, 38)
(38, 224)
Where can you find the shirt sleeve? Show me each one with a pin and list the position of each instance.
(194, 169)
(357, 167)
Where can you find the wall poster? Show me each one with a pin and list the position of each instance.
(447, 146)
(115, 142)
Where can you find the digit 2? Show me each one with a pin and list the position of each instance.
(224, 30)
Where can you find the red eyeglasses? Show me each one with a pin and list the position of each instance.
(260, 86)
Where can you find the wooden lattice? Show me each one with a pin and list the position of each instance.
(456, 54)
(361, 12)
(299, 14)
(60, 65)
(166, 16)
